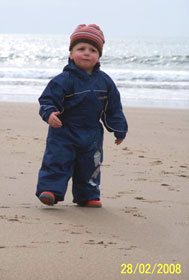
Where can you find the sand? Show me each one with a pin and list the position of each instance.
(145, 195)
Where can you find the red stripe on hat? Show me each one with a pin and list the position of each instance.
(91, 32)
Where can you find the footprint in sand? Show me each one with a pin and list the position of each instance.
(134, 211)
(156, 162)
(130, 153)
(166, 172)
(105, 165)
(183, 166)
(120, 194)
(127, 192)
(92, 242)
(128, 248)
(105, 245)
(14, 220)
(152, 201)
(111, 197)
(172, 189)
(183, 176)
(147, 200)
(125, 149)
(3, 217)
(41, 242)
(139, 198)
(26, 205)
(63, 242)
(140, 179)
(25, 246)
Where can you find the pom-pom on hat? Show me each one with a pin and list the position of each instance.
(91, 34)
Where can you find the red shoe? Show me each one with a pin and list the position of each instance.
(47, 198)
(94, 204)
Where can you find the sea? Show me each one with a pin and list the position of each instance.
(149, 72)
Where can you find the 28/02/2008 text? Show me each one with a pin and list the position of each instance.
(157, 268)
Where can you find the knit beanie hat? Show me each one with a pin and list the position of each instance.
(91, 34)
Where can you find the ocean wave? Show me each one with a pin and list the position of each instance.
(154, 85)
(28, 73)
(55, 59)
(6, 82)
(123, 78)
(148, 75)
(155, 60)
(116, 74)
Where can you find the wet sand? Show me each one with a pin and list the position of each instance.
(144, 191)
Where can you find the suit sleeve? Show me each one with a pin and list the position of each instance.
(52, 97)
(113, 116)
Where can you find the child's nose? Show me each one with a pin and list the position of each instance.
(87, 52)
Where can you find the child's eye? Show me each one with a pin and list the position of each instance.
(81, 49)
(93, 50)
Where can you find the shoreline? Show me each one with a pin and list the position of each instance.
(143, 107)
(144, 191)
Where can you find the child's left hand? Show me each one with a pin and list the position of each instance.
(118, 141)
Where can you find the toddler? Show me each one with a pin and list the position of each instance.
(75, 104)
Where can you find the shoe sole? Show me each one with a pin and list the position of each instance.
(47, 198)
(94, 205)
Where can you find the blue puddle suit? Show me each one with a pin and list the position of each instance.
(75, 150)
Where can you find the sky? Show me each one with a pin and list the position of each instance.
(157, 18)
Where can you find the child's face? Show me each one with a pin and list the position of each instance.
(85, 56)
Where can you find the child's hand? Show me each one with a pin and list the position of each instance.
(54, 121)
(118, 141)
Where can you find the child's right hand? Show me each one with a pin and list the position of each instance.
(54, 121)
